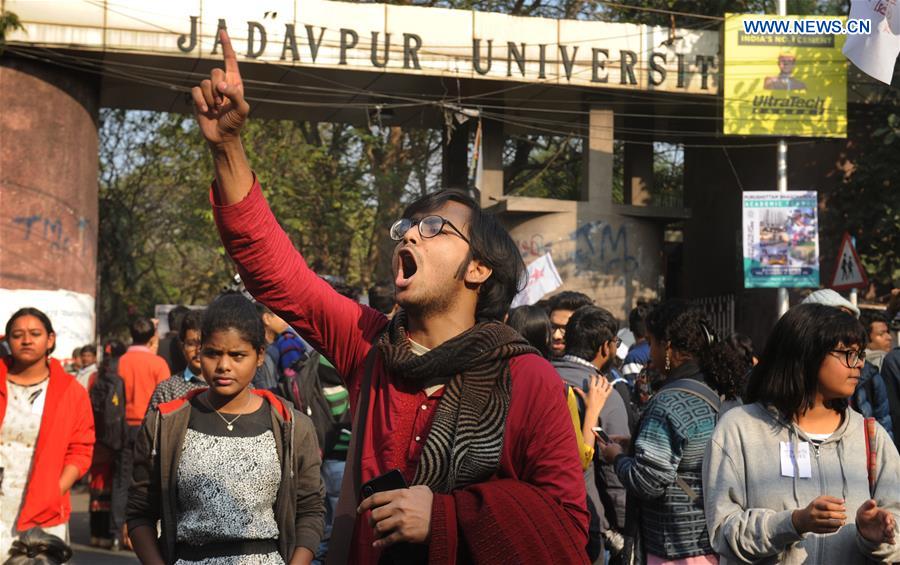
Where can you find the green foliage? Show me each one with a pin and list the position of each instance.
(158, 241)
(9, 22)
(867, 204)
(668, 175)
(544, 166)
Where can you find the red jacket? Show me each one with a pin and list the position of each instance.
(66, 438)
(539, 446)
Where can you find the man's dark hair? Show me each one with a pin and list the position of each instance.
(489, 243)
(787, 376)
(260, 308)
(869, 317)
(175, 316)
(233, 311)
(142, 331)
(569, 300)
(42, 318)
(89, 348)
(191, 321)
(37, 547)
(687, 329)
(637, 321)
(589, 327)
(533, 323)
(381, 297)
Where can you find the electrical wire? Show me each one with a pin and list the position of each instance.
(410, 101)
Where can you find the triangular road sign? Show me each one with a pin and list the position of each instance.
(848, 272)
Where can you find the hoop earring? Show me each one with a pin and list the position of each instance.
(668, 362)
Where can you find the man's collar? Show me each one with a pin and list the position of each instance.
(143, 348)
(579, 361)
(189, 375)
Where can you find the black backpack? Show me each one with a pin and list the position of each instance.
(307, 380)
(108, 404)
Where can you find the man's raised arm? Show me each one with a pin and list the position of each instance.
(221, 112)
(273, 271)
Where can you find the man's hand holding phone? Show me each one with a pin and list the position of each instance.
(398, 515)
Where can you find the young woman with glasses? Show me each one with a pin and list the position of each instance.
(794, 476)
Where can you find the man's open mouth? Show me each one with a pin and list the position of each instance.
(406, 268)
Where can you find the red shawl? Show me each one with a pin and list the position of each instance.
(503, 521)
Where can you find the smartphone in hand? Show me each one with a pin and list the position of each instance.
(601, 434)
(392, 480)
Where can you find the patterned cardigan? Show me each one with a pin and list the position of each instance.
(670, 443)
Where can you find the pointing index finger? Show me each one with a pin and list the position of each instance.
(231, 64)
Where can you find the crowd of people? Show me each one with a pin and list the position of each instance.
(304, 426)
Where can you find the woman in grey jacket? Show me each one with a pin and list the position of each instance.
(786, 476)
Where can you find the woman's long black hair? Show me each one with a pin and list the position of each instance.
(787, 376)
(534, 325)
(687, 329)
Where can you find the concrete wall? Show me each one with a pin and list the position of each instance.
(48, 185)
(613, 258)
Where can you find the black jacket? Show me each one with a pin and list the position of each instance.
(299, 504)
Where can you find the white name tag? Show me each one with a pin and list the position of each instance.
(802, 458)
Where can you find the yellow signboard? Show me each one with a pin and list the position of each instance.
(786, 79)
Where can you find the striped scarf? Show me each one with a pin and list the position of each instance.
(466, 437)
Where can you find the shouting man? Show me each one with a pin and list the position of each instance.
(473, 419)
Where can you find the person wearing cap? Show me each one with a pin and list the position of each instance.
(830, 297)
(871, 396)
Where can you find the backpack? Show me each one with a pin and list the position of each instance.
(712, 398)
(321, 395)
(108, 404)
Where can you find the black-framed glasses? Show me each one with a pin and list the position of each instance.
(853, 358)
(429, 226)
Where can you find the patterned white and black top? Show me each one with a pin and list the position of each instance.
(227, 483)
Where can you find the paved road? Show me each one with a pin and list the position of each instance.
(80, 534)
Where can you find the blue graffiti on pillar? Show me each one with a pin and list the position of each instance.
(608, 254)
(53, 230)
(27, 221)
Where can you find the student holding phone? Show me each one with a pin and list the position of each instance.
(795, 476)
(443, 391)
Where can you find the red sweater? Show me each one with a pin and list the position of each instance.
(539, 446)
(66, 438)
(141, 370)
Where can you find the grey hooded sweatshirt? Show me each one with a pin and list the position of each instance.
(749, 503)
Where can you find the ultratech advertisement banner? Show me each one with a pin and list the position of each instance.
(786, 84)
(781, 240)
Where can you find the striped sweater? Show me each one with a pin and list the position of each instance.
(671, 441)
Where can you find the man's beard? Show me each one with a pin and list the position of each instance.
(436, 300)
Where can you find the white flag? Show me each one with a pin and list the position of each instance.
(876, 53)
(542, 279)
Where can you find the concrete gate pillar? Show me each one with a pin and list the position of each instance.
(491, 162)
(48, 196)
(638, 174)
